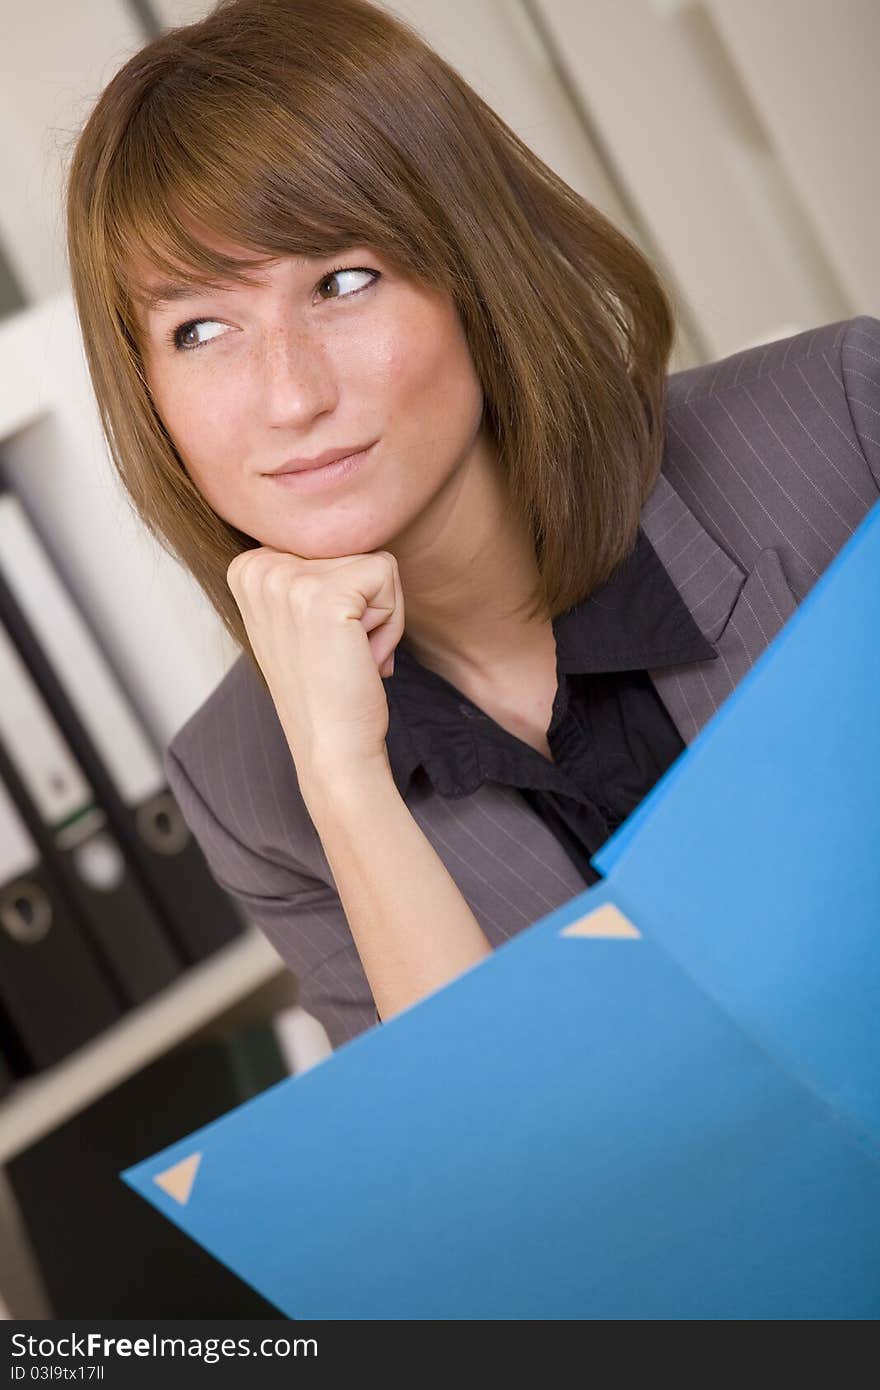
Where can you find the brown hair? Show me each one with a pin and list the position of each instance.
(300, 127)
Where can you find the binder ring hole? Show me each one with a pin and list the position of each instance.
(161, 825)
(25, 911)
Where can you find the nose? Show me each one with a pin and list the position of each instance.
(297, 374)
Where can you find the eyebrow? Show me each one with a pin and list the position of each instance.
(169, 293)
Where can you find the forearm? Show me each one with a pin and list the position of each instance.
(413, 929)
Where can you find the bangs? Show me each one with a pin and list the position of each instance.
(228, 161)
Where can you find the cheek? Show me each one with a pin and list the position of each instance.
(205, 425)
(434, 390)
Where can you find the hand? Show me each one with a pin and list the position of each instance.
(322, 632)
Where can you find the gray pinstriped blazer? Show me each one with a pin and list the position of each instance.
(772, 458)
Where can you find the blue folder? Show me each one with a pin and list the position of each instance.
(659, 1101)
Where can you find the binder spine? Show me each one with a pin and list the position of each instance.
(110, 743)
(72, 831)
(54, 993)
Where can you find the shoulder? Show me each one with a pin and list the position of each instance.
(778, 446)
(231, 770)
(826, 343)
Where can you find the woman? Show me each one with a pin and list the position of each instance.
(295, 231)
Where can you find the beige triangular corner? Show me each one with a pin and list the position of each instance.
(606, 920)
(178, 1181)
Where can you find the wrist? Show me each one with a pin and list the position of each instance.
(333, 787)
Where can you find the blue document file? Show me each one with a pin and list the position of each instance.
(659, 1101)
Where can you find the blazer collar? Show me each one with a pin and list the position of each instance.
(706, 578)
(740, 612)
(608, 631)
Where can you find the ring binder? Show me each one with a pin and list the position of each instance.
(58, 806)
(54, 995)
(109, 742)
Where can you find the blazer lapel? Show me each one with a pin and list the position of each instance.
(739, 613)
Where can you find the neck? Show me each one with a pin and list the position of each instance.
(467, 568)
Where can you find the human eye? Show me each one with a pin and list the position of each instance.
(177, 335)
(348, 270)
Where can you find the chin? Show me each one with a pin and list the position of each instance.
(330, 544)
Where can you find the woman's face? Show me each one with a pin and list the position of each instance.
(306, 362)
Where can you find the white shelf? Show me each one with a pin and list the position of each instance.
(38, 1104)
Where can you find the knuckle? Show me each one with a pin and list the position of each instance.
(276, 580)
(304, 591)
(244, 563)
(234, 568)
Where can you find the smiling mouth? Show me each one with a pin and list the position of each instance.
(311, 466)
(306, 479)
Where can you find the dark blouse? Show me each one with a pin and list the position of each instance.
(610, 734)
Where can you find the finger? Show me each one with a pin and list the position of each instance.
(372, 591)
(382, 643)
(385, 637)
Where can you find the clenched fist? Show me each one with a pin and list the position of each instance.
(323, 632)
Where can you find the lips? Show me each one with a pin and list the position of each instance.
(322, 476)
(320, 461)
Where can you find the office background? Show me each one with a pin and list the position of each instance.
(734, 140)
